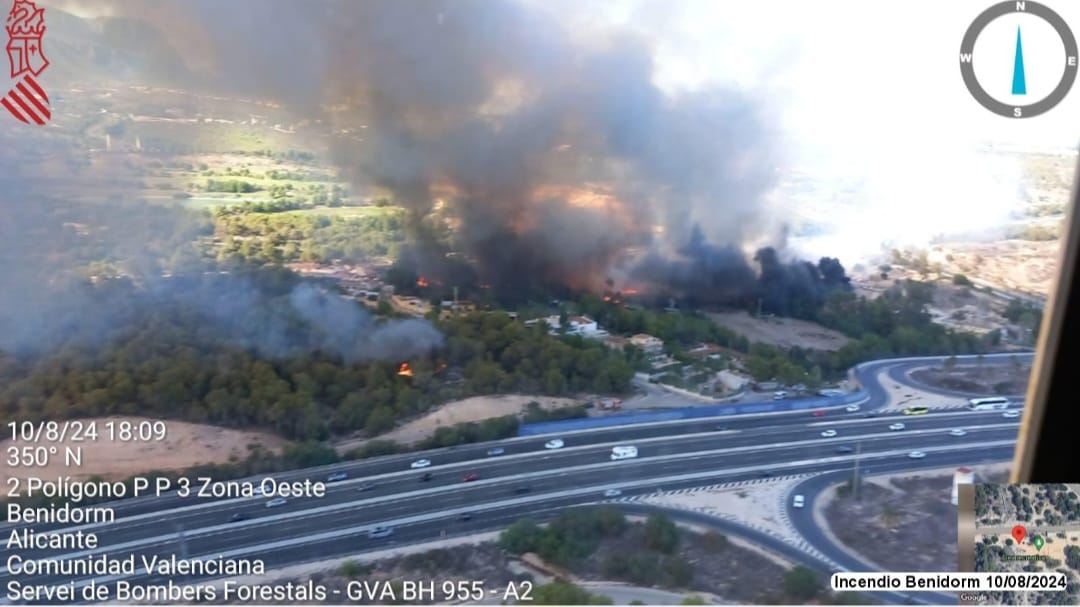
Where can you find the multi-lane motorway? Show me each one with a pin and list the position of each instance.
(528, 479)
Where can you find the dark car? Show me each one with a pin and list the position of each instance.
(765, 474)
(844, 450)
(366, 487)
(377, 532)
(426, 477)
(465, 516)
(818, 413)
(721, 428)
(337, 476)
(236, 518)
(521, 490)
(468, 478)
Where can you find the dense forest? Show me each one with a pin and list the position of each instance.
(170, 360)
(174, 360)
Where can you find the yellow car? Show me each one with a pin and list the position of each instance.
(916, 410)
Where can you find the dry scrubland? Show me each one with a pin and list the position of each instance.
(185, 445)
(902, 522)
(782, 332)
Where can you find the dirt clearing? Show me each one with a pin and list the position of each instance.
(475, 409)
(782, 332)
(185, 445)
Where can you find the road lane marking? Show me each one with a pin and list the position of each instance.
(426, 517)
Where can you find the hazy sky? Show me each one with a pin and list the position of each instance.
(850, 69)
(869, 93)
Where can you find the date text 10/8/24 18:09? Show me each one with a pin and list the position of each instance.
(53, 442)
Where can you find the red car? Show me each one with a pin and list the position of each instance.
(819, 413)
(472, 476)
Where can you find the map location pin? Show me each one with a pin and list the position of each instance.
(1019, 533)
(1038, 541)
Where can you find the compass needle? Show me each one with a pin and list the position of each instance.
(1028, 68)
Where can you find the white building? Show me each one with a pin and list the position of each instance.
(582, 325)
(576, 325)
(647, 343)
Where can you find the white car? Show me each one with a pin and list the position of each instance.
(897, 426)
(958, 432)
(613, 493)
(829, 433)
(916, 455)
(277, 501)
(798, 501)
(852, 408)
(420, 463)
(1011, 414)
(556, 443)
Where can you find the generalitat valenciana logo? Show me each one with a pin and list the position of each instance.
(26, 100)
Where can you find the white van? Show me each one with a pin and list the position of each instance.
(623, 452)
(798, 501)
(779, 395)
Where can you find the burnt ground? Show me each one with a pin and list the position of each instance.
(911, 527)
(987, 379)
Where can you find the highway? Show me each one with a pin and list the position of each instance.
(531, 480)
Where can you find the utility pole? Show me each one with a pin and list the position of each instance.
(182, 540)
(855, 478)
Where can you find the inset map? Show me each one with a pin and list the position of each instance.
(1028, 528)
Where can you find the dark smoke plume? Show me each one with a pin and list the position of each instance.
(563, 164)
(704, 274)
(520, 118)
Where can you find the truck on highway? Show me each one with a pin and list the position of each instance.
(623, 452)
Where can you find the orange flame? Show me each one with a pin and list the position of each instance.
(404, 370)
(422, 282)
